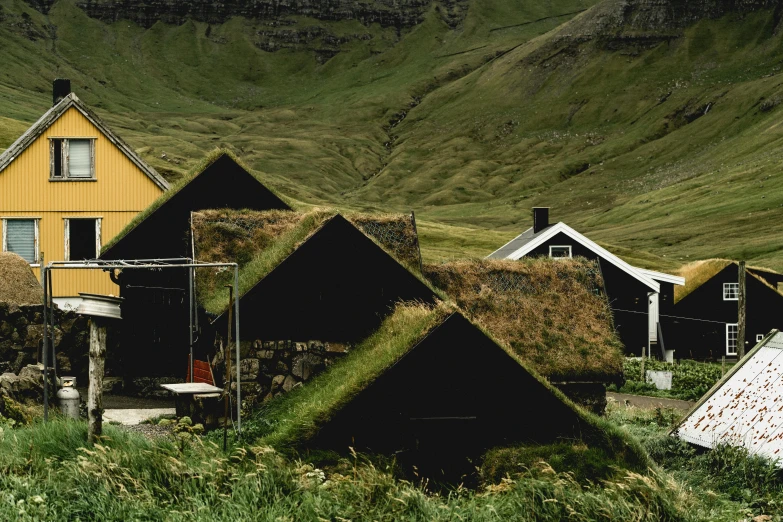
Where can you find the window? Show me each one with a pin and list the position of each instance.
(560, 251)
(20, 236)
(82, 239)
(730, 291)
(731, 338)
(759, 337)
(72, 158)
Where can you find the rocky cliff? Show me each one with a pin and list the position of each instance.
(396, 13)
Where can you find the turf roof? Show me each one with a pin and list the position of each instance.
(291, 420)
(211, 158)
(551, 313)
(283, 232)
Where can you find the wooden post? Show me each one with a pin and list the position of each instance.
(227, 356)
(742, 305)
(643, 376)
(95, 390)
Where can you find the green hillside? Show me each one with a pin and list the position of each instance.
(656, 136)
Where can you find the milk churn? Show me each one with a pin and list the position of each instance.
(69, 398)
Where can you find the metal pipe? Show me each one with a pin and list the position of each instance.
(50, 331)
(236, 340)
(190, 319)
(44, 274)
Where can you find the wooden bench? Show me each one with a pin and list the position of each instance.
(187, 393)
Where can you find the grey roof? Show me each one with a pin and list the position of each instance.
(515, 244)
(53, 114)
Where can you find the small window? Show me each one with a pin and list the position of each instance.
(732, 331)
(20, 236)
(72, 158)
(759, 337)
(560, 251)
(730, 291)
(82, 239)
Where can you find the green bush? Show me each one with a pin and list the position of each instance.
(690, 379)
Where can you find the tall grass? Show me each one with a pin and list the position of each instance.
(130, 478)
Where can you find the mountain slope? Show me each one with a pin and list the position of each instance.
(649, 125)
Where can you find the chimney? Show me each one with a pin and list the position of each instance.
(60, 89)
(540, 219)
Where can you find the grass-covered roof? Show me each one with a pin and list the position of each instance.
(260, 240)
(551, 313)
(291, 420)
(185, 181)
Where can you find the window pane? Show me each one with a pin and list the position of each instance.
(79, 159)
(57, 158)
(81, 243)
(560, 251)
(731, 291)
(20, 238)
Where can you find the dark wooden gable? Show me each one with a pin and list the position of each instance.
(337, 286)
(165, 232)
(699, 319)
(454, 395)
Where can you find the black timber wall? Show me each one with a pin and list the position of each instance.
(428, 410)
(699, 328)
(337, 286)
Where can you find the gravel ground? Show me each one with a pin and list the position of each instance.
(152, 431)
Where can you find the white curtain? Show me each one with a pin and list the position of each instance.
(79, 159)
(20, 238)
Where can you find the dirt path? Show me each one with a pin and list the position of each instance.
(648, 403)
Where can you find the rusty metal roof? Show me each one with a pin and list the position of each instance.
(745, 408)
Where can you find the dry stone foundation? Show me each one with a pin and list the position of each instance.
(21, 339)
(270, 368)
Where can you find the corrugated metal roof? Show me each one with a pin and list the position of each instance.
(745, 408)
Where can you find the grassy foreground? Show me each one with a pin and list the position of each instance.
(47, 473)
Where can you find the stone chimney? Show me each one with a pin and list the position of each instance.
(60, 89)
(540, 219)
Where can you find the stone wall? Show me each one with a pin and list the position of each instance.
(270, 368)
(21, 339)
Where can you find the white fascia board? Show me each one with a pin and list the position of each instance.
(660, 276)
(590, 245)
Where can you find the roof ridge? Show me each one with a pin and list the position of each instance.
(53, 114)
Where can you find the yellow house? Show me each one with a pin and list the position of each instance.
(67, 185)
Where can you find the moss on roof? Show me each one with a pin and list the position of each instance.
(260, 240)
(179, 185)
(295, 417)
(289, 421)
(279, 242)
(551, 313)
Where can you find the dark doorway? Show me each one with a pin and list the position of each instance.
(82, 240)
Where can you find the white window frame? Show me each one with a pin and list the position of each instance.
(561, 246)
(37, 239)
(727, 286)
(64, 151)
(67, 235)
(736, 340)
(759, 338)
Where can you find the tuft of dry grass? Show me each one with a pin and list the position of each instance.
(18, 284)
(551, 313)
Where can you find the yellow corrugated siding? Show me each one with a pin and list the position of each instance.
(120, 191)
